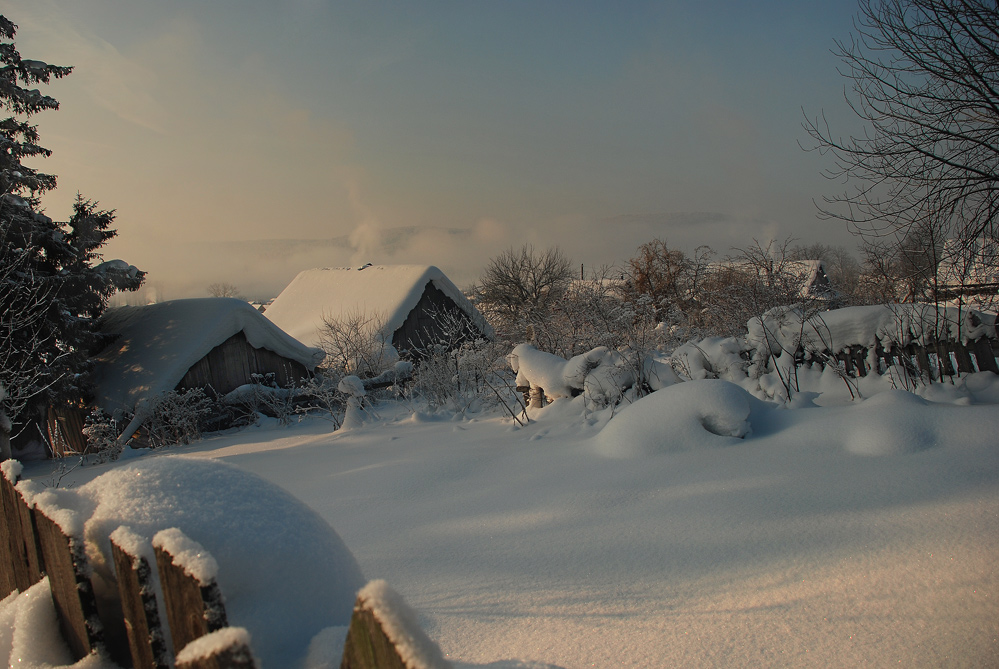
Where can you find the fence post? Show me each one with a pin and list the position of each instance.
(146, 639)
(26, 566)
(382, 623)
(985, 356)
(191, 594)
(963, 358)
(537, 397)
(72, 592)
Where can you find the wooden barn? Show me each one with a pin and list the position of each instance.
(216, 343)
(413, 304)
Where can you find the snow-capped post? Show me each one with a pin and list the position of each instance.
(353, 388)
(227, 648)
(385, 634)
(64, 553)
(132, 556)
(191, 595)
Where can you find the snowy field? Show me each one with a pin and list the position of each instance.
(853, 534)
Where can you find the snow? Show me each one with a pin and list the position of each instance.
(387, 292)
(159, 343)
(352, 386)
(401, 626)
(11, 469)
(699, 526)
(215, 642)
(187, 554)
(29, 631)
(540, 370)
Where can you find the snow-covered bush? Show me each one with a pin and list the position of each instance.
(177, 417)
(604, 377)
(321, 393)
(457, 378)
(264, 396)
(101, 432)
(354, 344)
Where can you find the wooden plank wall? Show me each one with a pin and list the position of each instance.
(233, 362)
(422, 326)
(65, 430)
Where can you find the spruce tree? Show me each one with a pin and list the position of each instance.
(53, 285)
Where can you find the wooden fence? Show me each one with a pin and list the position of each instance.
(932, 361)
(33, 545)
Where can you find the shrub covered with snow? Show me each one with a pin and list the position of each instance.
(687, 416)
(601, 375)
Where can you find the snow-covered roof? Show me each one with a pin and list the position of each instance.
(812, 275)
(159, 343)
(386, 292)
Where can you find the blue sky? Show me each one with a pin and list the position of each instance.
(593, 126)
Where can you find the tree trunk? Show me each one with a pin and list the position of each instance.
(4, 440)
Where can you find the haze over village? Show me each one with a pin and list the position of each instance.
(246, 142)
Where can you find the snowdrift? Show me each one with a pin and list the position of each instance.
(696, 414)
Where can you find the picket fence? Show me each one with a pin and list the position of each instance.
(33, 545)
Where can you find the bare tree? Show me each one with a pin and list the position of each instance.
(224, 289)
(667, 280)
(354, 344)
(924, 78)
(520, 286)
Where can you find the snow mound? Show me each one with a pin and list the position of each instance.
(29, 631)
(285, 574)
(683, 417)
(893, 422)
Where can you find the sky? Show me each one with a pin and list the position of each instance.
(243, 141)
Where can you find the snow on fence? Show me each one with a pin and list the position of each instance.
(41, 539)
(923, 339)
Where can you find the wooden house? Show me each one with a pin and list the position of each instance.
(215, 343)
(413, 305)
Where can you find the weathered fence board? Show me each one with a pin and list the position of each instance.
(368, 646)
(8, 554)
(25, 568)
(146, 640)
(193, 608)
(72, 592)
(984, 350)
